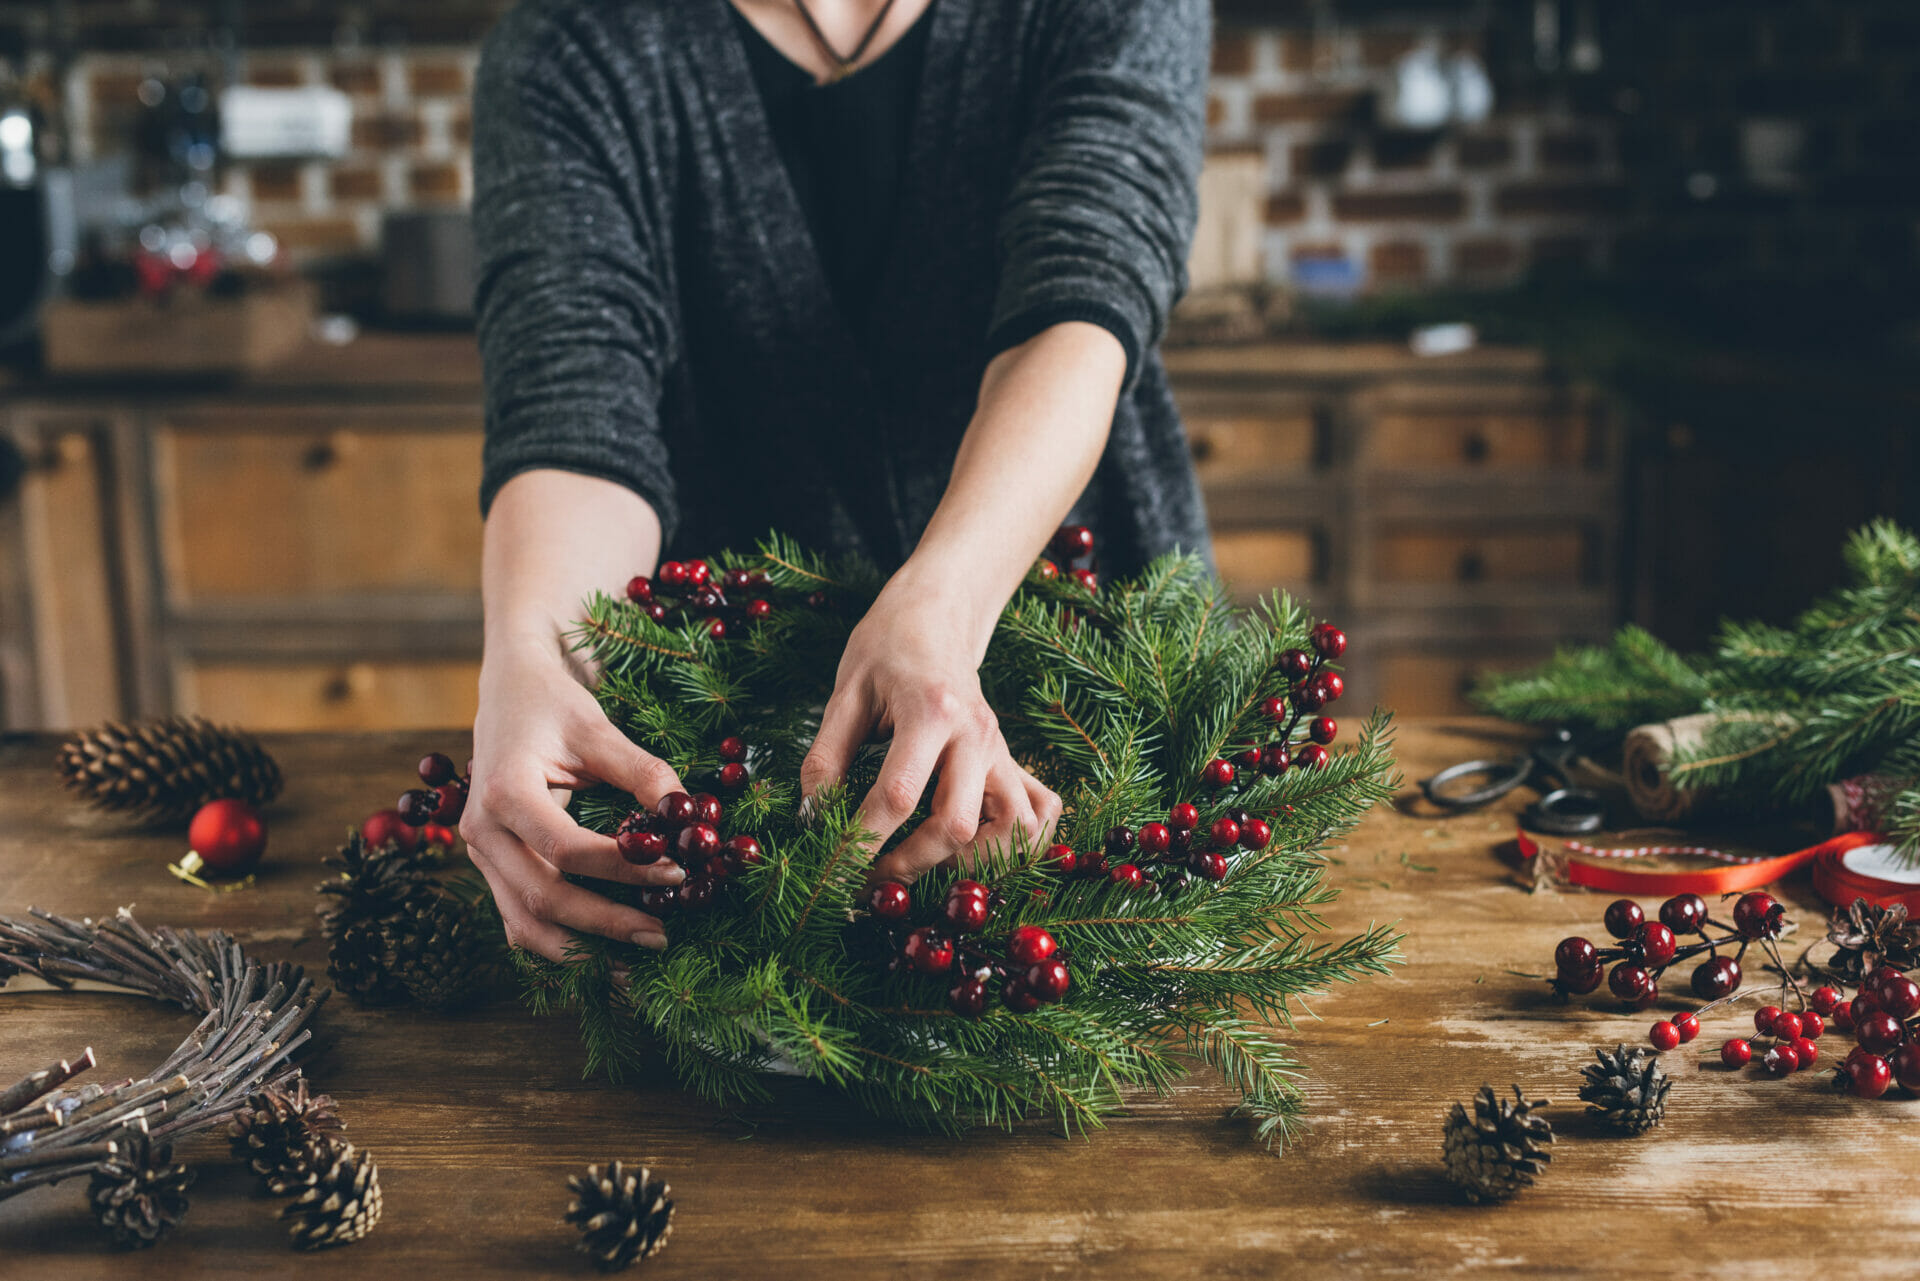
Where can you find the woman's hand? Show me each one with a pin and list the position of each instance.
(910, 671)
(539, 734)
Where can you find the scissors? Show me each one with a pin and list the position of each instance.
(1561, 809)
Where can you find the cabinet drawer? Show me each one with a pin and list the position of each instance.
(316, 506)
(1558, 554)
(1229, 447)
(1423, 683)
(318, 694)
(1476, 439)
(1255, 561)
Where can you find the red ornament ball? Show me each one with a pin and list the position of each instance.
(1218, 773)
(1665, 1036)
(1736, 1053)
(890, 901)
(1183, 817)
(1030, 944)
(230, 836)
(1329, 641)
(383, 827)
(436, 834)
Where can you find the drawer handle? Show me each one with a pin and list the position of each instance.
(1201, 447)
(1475, 448)
(355, 681)
(322, 455)
(1472, 567)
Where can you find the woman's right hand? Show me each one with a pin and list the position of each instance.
(538, 735)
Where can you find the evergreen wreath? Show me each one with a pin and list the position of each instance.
(1121, 697)
(1834, 695)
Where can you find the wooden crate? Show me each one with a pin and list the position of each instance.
(183, 335)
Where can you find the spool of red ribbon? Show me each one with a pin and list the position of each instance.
(1849, 866)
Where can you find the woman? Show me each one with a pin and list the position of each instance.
(886, 275)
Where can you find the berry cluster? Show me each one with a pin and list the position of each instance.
(1793, 1036)
(1646, 949)
(1026, 964)
(1163, 857)
(1312, 687)
(1070, 545)
(686, 830)
(1884, 1018)
(426, 814)
(694, 587)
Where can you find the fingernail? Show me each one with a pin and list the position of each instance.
(675, 875)
(654, 941)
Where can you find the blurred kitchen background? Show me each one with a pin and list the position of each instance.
(1511, 320)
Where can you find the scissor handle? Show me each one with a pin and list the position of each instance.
(1566, 811)
(1502, 777)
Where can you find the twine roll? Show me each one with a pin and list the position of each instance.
(1644, 760)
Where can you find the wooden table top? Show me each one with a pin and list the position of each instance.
(477, 1119)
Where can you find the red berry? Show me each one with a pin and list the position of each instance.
(720, 867)
(1030, 944)
(928, 950)
(1092, 863)
(1048, 980)
(1736, 1053)
(436, 769)
(699, 573)
(968, 889)
(890, 901)
(1868, 1076)
(1274, 759)
(1623, 918)
(1812, 1026)
(1155, 838)
(1183, 817)
(1825, 1000)
(1687, 1025)
(1656, 943)
(816, 600)
(1843, 1018)
(641, 847)
(1020, 998)
(1323, 730)
(1218, 773)
(1087, 579)
(1248, 760)
(1782, 1061)
(697, 892)
(1119, 842)
(1763, 1019)
(1294, 664)
(1906, 1066)
(759, 609)
(671, 574)
(1758, 915)
(1047, 570)
(733, 776)
(1070, 542)
(745, 850)
(1580, 982)
(1900, 997)
(1575, 956)
(1225, 833)
(639, 589)
(1665, 1036)
(737, 580)
(1804, 1050)
(1311, 756)
(1275, 708)
(1877, 979)
(733, 748)
(717, 628)
(1330, 685)
(696, 843)
(416, 807)
(675, 807)
(1878, 1032)
(659, 899)
(1329, 641)
(968, 913)
(706, 808)
(1683, 913)
(657, 611)
(452, 803)
(1126, 875)
(1310, 697)
(1632, 984)
(1209, 864)
(968, 998)
(1254, 834)
(1786, 1026)
(1860, 1010)
(434, 834)
(1061, 859)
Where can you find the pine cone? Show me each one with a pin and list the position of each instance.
(166, 769)
(622, 1216)
(1868, 937)
(357, 964)
(340, 1201)
(1500, 1148)
(371, 888)
(139, 1195)
(439, 954)
(278, 1124)
(1628, 1088)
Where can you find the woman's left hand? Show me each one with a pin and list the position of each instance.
(911, 673)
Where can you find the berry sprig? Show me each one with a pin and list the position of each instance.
(1311, 687)
(684, 828)
(1647, 949)
(1164, 857)
(1070, 545)
(694, 587)
(424, 815)
(1026, 963)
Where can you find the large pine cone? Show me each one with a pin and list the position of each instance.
(1868, 937)
(370, 889)
(340, 1202)
(1628, 1088)
(139, 1194)
(1498, 1150)
(440, 955)
(622, 1215)
(166, 769)
(279, 1124)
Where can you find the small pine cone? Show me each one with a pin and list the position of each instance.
(357, 964)
(1866, 937)
(371, 885)
(341, 1201)
(1628, 1088)
(622, 1216)
(139, 1194)
(277, 1125)
(166, 769)
(1500, 1148)
(439, 954)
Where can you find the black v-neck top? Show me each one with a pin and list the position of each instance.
(653, 310)
(844, 147)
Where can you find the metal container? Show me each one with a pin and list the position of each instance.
(428, 264)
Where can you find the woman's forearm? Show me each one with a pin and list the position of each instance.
(1042, 421)
(553, 538)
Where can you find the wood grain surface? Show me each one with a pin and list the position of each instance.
(477, 1119)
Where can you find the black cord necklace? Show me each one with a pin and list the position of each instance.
(842, 67)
